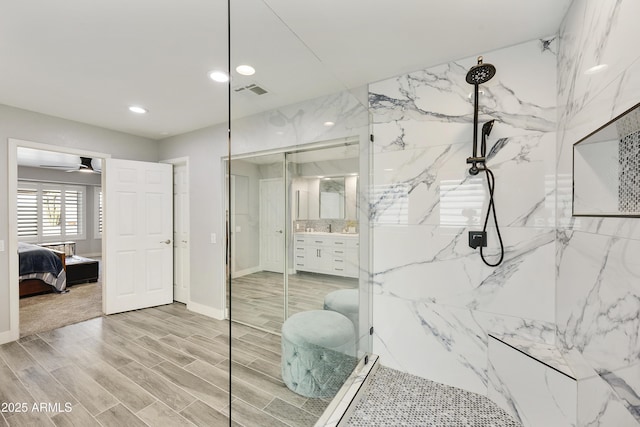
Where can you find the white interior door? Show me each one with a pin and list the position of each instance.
(139, 226)
(180, 233)
(272, 225)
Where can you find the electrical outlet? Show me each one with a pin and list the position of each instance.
(477, 238)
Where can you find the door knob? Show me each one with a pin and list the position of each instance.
(279, 231)
(166, 242)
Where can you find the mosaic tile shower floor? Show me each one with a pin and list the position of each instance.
(394, 398)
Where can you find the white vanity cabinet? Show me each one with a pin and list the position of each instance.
(327, 253)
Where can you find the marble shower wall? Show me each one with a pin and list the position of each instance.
(434, 300)
(598, 268)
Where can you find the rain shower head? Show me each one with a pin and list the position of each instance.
(481, 73)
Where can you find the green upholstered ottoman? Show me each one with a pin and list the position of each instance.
(318, 352)
(344, 301)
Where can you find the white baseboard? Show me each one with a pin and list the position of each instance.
(8, 336)
(205, 310)
(245, 272)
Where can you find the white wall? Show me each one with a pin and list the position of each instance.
(204, 148)
(29, 126)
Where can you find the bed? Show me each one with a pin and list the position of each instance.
(42, 270)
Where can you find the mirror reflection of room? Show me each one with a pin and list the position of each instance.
(315, 240)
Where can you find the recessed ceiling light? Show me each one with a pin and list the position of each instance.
(137, 109)
(596, 69)
(246, 70)
(328, 124)
(219, 76)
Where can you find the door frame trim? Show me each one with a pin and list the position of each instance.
(12, 169)
(185, 161)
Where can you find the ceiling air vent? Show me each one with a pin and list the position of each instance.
(252, 88)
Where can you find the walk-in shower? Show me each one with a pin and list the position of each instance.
(477, 75)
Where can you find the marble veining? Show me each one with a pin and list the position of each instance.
(626, 388)
(598, 297)
(600, 315)
(530, 390)
(413, 91)
(434, 299)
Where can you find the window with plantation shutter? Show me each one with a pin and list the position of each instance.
(27, 212)
(72, 215)
(49, 212)
(97, 209)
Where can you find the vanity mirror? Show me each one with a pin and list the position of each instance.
(332, 198)
(606, 169)
(326, 198)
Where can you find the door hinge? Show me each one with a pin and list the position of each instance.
(371, 330)
(371, 137)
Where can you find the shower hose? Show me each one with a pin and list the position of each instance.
(491, 180)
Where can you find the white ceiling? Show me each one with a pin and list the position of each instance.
(88, 60)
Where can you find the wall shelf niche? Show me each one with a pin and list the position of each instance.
(606, 169)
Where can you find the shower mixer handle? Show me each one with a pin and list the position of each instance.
(474, 170)
(475, 159)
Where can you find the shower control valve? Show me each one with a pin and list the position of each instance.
(477, 238)
(475, 160)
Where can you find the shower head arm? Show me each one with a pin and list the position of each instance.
(475, 121)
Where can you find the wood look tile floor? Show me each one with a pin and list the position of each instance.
(162, 366)
(258, 298)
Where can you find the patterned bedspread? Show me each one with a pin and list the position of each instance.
(41, 263)
(59, 282)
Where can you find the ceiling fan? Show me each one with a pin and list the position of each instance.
(86, 165)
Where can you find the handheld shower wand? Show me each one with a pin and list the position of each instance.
(486, 131)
